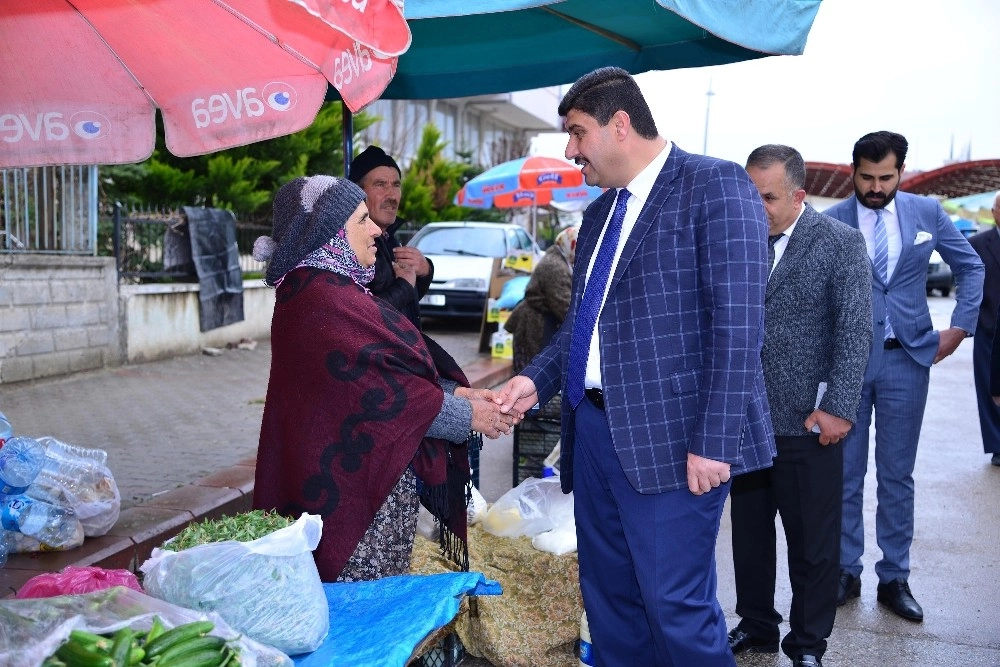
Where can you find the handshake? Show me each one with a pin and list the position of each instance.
(487, 417)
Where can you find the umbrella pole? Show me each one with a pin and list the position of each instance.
(348, 125)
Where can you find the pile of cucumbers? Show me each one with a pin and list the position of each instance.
(187, 645)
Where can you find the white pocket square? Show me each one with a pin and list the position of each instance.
(922, 237)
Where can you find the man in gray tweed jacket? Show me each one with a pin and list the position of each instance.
(817, 333)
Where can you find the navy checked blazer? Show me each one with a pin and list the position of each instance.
(681, 330)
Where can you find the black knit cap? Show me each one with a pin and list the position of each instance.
(308, 212)
(369, 159)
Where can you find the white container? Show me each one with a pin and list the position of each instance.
(586, 648)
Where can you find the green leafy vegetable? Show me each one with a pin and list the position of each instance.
(242, 527)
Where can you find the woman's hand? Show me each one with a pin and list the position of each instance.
(487, 418)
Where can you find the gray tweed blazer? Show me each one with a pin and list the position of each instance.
(817, 322)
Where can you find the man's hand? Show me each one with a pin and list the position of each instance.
(832, 429)
(414, 258)
(405, 271)
(705, 474)
(519, 395)
(950, 340)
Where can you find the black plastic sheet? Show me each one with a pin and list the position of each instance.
(217, 264)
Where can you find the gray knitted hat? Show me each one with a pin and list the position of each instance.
(308, 212)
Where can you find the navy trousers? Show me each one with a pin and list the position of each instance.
(989, 413)
(647, 561)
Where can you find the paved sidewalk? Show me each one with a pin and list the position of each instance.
(164, 424)
(167, 424)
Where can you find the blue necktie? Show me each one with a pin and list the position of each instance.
(881, 259)
(590, 304)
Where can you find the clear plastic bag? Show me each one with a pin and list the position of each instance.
(34, 629)
(78, 477)
(268, 588)
(532, 507)
(74, 580)
(19, 543)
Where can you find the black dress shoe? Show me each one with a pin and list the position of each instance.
(897, 596)
(743, 642)
(807, 661)
(850, 587)
(995, 459)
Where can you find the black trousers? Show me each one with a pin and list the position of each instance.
(805, 486)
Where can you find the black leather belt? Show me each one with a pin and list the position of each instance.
(892, 344)
(595, 396)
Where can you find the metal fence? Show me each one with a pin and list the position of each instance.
(152, 245)
(49, 210)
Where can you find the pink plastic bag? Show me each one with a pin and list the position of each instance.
(74, 580)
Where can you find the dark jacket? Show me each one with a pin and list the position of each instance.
(398, 292)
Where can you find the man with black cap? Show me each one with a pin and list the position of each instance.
(402, 273)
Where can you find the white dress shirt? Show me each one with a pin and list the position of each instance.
(866, 223)
(639, 188)
(782, 243)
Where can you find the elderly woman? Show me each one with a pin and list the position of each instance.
(364, 418)
(546, 300)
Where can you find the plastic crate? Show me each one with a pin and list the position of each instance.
(551, 410)
(534, 440)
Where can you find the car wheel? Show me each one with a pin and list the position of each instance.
(946, 290)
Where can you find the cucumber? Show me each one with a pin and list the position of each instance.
(204, 658)
(198, 644)
(155, 630)
(79, 655)
(90, 639)
(121, 647)
(177, 635)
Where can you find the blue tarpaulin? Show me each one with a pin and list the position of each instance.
(380, 623)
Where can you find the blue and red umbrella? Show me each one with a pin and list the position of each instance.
(527, 181)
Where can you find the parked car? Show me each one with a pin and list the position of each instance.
(939, 276)
(463, 254)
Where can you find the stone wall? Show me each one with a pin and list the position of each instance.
(58, 315)
(63, 314)
(159, 321)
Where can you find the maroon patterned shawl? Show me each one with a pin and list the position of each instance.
(352, 392)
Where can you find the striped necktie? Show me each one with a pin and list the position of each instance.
(590, 304)
(881, 260)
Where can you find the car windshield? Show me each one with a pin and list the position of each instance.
(473, 241)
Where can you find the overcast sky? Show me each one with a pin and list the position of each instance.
(929, 70)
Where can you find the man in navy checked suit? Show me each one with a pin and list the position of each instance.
(675, 401)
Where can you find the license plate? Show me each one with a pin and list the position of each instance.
(432, 300)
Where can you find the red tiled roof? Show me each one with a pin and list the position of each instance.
(959, 179)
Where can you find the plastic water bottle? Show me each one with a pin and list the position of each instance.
(6, 431)
(4, 547)
(52, 525)
(21, 459)
(586, 648)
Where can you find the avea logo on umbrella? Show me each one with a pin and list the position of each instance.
(220, 107)
(52, 126)
(90, 125)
